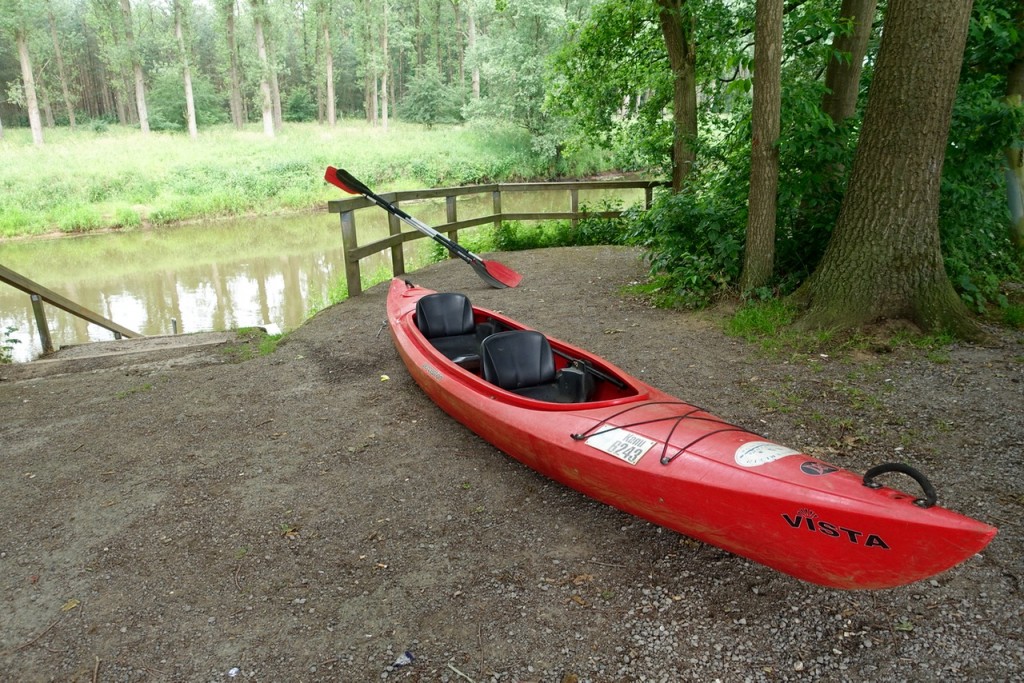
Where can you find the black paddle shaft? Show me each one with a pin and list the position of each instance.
(352, 183)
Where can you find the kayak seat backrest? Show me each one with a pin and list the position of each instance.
(521, 362)
(446, 319)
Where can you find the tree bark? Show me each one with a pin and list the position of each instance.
(471, 49)
(186, 71)
(884, 260)
(140, 81)
(261, 51)
(842, 77)
(759, 250)
(677, 29)
(29, 83)
(332, 111)
(384, 70)
(61, 71)
(234, 74)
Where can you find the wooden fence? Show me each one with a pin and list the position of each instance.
(353, 251)
(38, 294)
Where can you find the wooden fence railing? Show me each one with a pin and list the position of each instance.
(38, 294)
(396, 238)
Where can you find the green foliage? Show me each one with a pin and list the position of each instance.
(1013, 316)
(299, 106)
(518, 236)
(166, 101)
(7, 342)
(428, 100)
(759, 320)
(695, 242)
(973, 216)
(123, 178)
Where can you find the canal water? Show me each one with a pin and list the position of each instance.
(216, 275)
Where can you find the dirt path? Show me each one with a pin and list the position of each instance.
(297, 517)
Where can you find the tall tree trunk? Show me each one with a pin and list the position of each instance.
(186, 71)
(332, 116)
(1014, 153)
(261, 51)
(471, 49)
(29, 82)
(384, 71)
(884, 260)
(234, 74)
(677, 29)
(759, 252)
(140, 81)
(842, 77)
(275, 91)
(61, 71)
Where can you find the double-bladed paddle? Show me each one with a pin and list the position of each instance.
(493, 273)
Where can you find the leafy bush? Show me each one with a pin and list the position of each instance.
(694, 244)
(166, 101)
(428, 100)
(299, 106)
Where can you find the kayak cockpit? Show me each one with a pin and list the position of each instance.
(506, 355)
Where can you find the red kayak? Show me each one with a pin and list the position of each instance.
(580, 420)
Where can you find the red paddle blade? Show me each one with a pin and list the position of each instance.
(331, 176)
(498, 274)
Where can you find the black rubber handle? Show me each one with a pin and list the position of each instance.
(930, 498)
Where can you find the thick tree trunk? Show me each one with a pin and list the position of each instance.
(29, 82)
(883, 260)
(1014, 153)
(186, 72)
(61, 71)
(842, 77)
(759, 251)
(140, 81)
(677, 29)
(261, 51)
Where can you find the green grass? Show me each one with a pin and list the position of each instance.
(253, 343)
(113, 176)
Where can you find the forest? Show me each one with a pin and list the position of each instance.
(803, 138)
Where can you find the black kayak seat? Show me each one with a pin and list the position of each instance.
(446, 319)
(521, 361)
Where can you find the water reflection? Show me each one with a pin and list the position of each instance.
(214, 275)
(210, 276)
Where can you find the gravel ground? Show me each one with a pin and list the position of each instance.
(295, 517)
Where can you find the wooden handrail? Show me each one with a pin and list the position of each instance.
(353, 251)
(40, 293)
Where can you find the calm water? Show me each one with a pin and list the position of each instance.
(212, 276)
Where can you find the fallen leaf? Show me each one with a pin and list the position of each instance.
(384, 378)
(70, 605)
(579, 601)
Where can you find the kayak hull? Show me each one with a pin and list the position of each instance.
(654, 456)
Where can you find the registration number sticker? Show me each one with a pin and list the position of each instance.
(624, 445)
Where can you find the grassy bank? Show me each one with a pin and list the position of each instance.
(111, 177)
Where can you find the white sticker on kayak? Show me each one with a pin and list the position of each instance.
(624, 445)
(754, 453)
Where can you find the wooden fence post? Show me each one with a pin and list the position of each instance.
(44, 329)
(574, 206)
(348, 240)
(452, 216)
(496, 207)
(397, 252)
